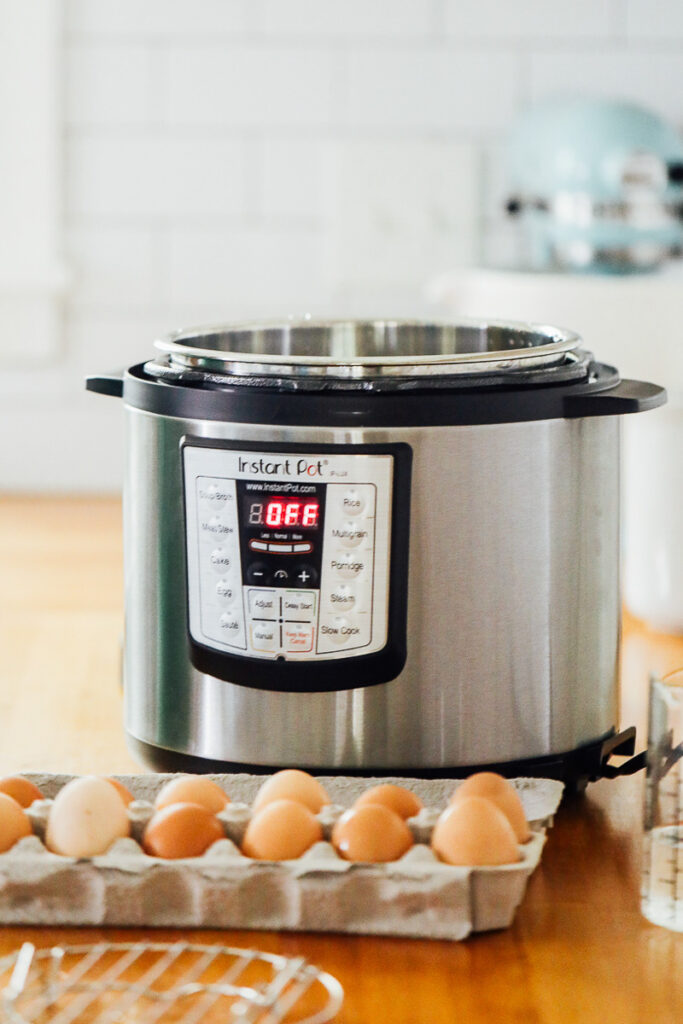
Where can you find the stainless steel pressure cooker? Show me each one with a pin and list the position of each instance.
(373, 547)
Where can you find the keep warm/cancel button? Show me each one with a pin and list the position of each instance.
(298, 637)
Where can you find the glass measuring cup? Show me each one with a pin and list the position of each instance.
(662, 873)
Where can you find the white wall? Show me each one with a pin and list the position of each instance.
(250, 158)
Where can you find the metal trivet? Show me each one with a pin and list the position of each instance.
(161, 983)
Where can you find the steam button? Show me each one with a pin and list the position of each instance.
(342, 598)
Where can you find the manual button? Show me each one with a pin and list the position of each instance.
(298, 605)
(265, 636)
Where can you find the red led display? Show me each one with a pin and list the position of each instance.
(286, 512)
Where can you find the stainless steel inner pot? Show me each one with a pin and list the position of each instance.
(370, 348)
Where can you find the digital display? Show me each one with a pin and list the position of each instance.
(279, 513)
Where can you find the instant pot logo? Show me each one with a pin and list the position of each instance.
(282, 467)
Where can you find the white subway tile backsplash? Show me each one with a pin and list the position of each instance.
(655, 19)
(112, 266)
(163, 18)
(108, 85)
(526, 20)
(251, 86)
(239, 268)
(650, 79)
(428, 89)
(386, 18)
(292, 174)
(401, 208)
(170, 176)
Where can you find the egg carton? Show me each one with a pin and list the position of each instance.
(417, 896)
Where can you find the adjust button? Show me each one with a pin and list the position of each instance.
(264, 604)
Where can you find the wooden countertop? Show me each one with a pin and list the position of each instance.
(579, 949)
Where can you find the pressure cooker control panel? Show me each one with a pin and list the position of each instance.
(289, 560)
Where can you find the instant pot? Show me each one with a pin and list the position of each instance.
(374, 547)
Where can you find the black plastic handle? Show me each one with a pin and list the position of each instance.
(628, 396)
(106, 383)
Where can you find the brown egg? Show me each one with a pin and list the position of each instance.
(20, 789)
(497, 789)
(396, 798)
(192, 789)
(124, 793)
(474, 832)
(282, 830)
(292, 784)
(14, 822)
(371, 833)
(181, 830)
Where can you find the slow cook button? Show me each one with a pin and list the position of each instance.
(265, 636)
(348, 567)
(340, 630)
(349, 535)
(297, 604)
(264, 604)
(298, 637)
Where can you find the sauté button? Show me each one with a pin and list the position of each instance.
(230, 625)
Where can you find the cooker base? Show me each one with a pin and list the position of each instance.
(575, 768)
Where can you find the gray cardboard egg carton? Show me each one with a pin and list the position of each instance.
(416, 896)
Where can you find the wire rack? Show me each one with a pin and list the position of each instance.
(163, 983)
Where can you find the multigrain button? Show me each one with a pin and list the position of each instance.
(265, 636)
(220, 559)
(264, 604)
(353, 502)
(349, 535)
(347, 566)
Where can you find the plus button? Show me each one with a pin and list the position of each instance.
(306, 576)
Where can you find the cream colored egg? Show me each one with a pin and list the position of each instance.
(87, 816)
(397, 798)
(14, 822)
(474, 832)
(497, 789)
(192, 789)
(372, 834)
(292, 784)
(282, 830)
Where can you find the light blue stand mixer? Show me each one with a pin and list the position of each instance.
(598, 186)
